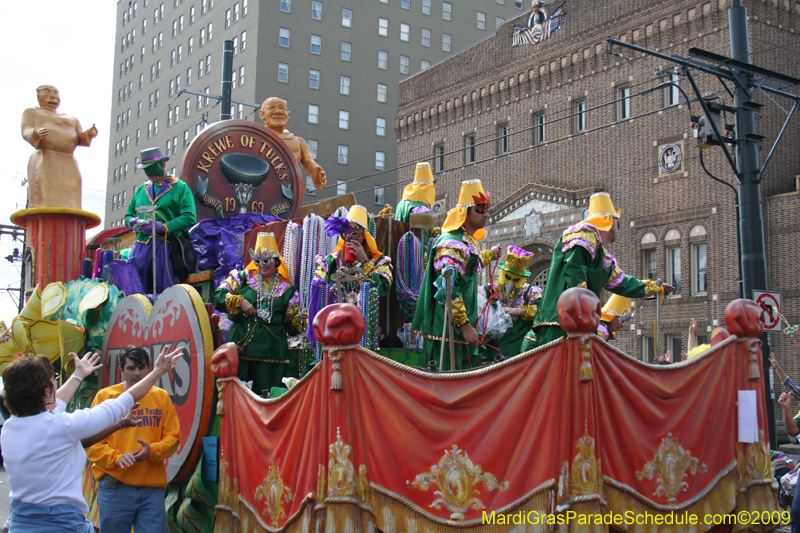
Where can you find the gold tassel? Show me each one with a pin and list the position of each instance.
(586, 371)
(336, 380)
(754, 372)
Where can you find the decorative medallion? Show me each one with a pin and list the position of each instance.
(755, 461)
(238, 166)
(669, 466)
(586, 471)
(273, 491)
(670, 158)
(457, 478)
(533, 224)
(341, 473)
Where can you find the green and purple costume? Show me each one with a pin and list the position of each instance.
(580, 260)
(405, 208)
(526, 298)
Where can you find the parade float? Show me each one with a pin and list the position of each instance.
(572, 436)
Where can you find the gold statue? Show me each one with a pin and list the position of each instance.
(53, 176)
(275, 115)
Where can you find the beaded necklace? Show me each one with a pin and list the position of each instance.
(313, 233)
(410, 272)
(266, 314)
(291, 241)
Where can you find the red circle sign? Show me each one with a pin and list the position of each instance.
(771, 309)
(237, 166)
(178, 320)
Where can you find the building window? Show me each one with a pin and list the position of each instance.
(158, 93)
(346, 47)
(283, 73)
(438, 158)
(405, 30)
(191, 15)
(382, 93)
(445, 42)
(405, 4)
(138, 138)
(699, 269)
(202, 36)
(316, 10)
(200, 69)
(383, 27)
(623, 103)
(347, 18)
(228, 18)
(380, 127)
(208, 64)
(579, 116)
(426, 7)
(424, 64)
(241, 75)
(404, 62)
(341, 185)
(383, 60)
(188, 107)
(675, 345)
(671, 92)
(210, 32)
(244, 8)
(312, 145)
(344, 120)
(344, 85)
(379, 195)
(244, 40)
(447, 11)
(502, 139)
(174, 28)
(649, 264)
(316, 44)
(172, 59)
(169, 147)
(191, 45)
(236, 12)
(284, 36)
(343, 150)
(313, 114)
(286, 6)
(172, 88)
(180, 53)
(649, 349)
(469, 149)
(518, 4)
(155, 127)
(380, 160)
(498, 21)
(481, 21)
(236, 45)
(539, 136)
(674, 268)
(188, 76)
(158, 69)
(426, 37)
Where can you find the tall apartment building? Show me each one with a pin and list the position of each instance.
(338, 63)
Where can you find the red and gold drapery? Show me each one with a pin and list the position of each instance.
(576, 430)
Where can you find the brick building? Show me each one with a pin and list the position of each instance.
(545, 126)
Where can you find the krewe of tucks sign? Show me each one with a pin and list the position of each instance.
(236, 166)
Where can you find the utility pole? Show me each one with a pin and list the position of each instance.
(747, 80)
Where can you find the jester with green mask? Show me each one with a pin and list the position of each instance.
(517, 298)
(174, 215)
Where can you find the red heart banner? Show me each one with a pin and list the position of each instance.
(178, 320)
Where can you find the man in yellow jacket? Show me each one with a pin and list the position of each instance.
(129, 464)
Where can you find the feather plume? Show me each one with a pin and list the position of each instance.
(336, 226)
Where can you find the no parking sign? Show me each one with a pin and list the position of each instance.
(770, 302)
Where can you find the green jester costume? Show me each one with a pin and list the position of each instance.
(581, 260)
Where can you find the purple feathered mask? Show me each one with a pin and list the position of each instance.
(337, 226)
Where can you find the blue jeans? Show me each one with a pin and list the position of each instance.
(795, 510)
(123, 506)
(65, 518)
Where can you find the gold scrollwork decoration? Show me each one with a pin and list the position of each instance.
(752, 346)
(341, 473)
(586, 469)
(274, 492)
(586, 364)
(669, 466)
(364, 490)
(755, 461)
(228, 493)
(457, 478)
(322, 482)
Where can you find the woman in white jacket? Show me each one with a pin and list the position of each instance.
(41, 442)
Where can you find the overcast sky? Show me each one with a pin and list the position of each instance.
(69, 45)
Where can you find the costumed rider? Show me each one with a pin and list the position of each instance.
(616, 313)
(580, 259)
(174, 215)
(264, 310)
(418, 195)
(457, 252)
(358, 252)
(518, 299)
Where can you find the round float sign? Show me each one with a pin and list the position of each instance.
(178, 320)
(236, 166)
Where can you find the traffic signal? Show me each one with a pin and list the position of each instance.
(704, 131)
